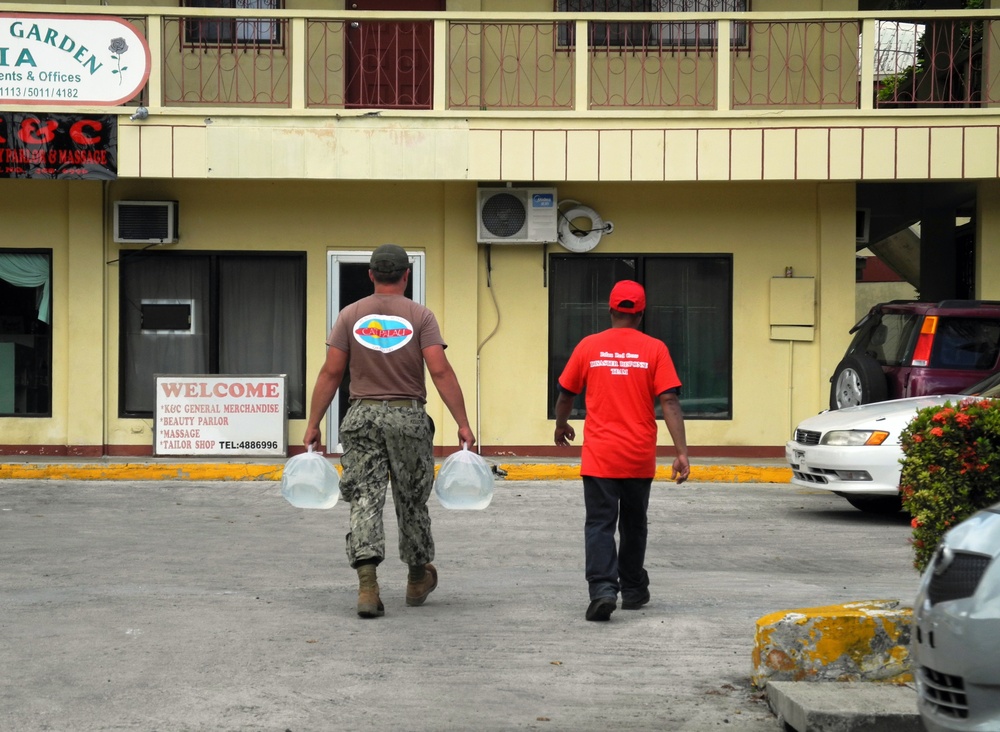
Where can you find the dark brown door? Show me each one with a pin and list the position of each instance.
(390, 65)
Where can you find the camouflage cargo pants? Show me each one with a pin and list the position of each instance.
(383, 442)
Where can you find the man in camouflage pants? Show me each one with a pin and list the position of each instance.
(387, 339)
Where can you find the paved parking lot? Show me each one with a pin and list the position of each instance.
(217, 606)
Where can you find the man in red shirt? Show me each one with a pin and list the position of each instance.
(623, 371)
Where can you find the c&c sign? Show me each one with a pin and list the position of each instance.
(58, 146)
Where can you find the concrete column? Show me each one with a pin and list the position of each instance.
(581, 69)
(724, 70)
(459, 277)
(988, 240)
(937, 254)
(297, 30)
(835, 282)
(85, 293)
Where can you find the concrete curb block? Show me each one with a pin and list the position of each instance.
(844, 707)
(137, 471)
(859, 641)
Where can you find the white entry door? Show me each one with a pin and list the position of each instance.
(347, 282)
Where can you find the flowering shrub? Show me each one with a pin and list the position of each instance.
(951, 468)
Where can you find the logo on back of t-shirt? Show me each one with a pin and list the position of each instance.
(619, 363)
(385, 333)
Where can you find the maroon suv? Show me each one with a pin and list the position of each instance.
(905, 349)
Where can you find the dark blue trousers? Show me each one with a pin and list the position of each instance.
(616, 503)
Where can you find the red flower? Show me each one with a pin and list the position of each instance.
(963, 419)
(942, 416)
(937, 431)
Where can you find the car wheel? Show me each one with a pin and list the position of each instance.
(876, 504)
(858, 380)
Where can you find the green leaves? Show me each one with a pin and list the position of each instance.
(950, 469)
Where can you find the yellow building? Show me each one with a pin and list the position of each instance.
(217, 219)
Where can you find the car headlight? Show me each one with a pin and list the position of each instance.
(854, 438)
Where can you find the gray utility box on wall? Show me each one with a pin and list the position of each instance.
(793, 308)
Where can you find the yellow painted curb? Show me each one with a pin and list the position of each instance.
(249, 471)
(699, 473)
(733, 474)
(859, 641)
(142, 471)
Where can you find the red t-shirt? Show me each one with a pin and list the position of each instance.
(623, 371)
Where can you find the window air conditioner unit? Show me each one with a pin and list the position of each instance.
(517, 216)
(145, 222)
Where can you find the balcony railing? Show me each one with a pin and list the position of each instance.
(464, 64)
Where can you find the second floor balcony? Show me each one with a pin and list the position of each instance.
(576, 65)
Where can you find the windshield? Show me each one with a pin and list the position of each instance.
(988, 387)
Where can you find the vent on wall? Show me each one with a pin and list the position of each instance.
(517, 216)
(145, 222)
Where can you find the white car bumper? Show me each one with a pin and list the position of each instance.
(955, 649)
(862, 470)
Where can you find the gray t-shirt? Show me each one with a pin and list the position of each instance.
(384, 336)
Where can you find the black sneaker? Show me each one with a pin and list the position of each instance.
(635, 604)
(601, 608)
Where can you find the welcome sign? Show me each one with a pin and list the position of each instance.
(70, 59)
(221, 415)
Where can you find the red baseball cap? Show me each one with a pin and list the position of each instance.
(628, 297)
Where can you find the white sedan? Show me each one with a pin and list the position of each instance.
(956, 629)
(855, 452)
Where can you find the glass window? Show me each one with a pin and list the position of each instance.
(25, 333)
(607, 34)
(888, 339)
(230, 31)
(229, 314)
(698, 34)
(688, 307)
(686, 35)
(966, 343)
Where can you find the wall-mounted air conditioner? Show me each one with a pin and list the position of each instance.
(145, 222)
(517, 216)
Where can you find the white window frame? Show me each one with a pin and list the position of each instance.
(333, 262)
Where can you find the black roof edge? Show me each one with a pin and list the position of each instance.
(968, 303)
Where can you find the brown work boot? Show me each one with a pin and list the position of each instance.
(369, 604)
(423, 579)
